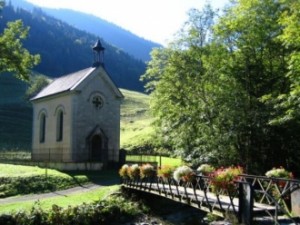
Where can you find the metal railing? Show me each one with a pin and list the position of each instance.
(274, 192)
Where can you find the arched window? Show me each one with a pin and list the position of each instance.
(42, 128)
(60, 125)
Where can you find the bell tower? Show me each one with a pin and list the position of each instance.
(98, 51)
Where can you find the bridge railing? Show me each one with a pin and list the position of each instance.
(199, 193)
(276, 192)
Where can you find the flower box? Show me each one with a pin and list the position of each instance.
(224, 179)
(184, 173)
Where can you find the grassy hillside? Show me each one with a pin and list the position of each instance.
(16, 117)
(136, 129)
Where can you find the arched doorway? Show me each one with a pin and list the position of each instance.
(97, 143)
(96, 148)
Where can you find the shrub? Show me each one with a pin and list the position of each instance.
(115, 209)
(11, 186)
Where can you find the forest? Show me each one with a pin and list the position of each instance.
(226, 90)
(64, 49)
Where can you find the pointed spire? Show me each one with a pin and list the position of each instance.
(98, 54)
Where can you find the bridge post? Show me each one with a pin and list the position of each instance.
(295, 200)
(245, 213)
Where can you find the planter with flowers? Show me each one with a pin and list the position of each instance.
(205, 169)
(134, 171)
(279, 173)
(165, 172)
(224, 179)
(124, 172)
(278, 185)
(147, 171)
(184, 173)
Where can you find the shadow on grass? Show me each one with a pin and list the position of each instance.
(103, 177)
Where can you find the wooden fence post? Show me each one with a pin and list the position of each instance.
(245, 213)
(159, 160)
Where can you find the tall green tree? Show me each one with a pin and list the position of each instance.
(250, 31)
(287, 102)
(186, 86)
(209, 88)
(13, 56)
(36, 84)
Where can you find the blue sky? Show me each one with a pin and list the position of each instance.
(155, 20)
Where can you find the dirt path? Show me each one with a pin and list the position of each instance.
(74, 190)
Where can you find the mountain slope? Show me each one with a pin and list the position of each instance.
(111, 33)
(127, 41)
(15, 114)
(65, 49)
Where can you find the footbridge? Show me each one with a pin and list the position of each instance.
(253, 200)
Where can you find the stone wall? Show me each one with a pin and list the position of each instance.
(50, 108)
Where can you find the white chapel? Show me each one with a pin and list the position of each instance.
(76, 118)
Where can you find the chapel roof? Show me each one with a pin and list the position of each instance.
(71, 81)
(64, 83)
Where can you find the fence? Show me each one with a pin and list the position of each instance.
(157, 160)
(7, 157)
(141, 159)
(61, 155)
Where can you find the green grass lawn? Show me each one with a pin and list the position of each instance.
(28, 173)
(163, 160)
(8, 170)
(62, 201)
(20, 180)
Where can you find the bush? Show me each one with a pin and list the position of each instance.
(11, 186)
(114, 209)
